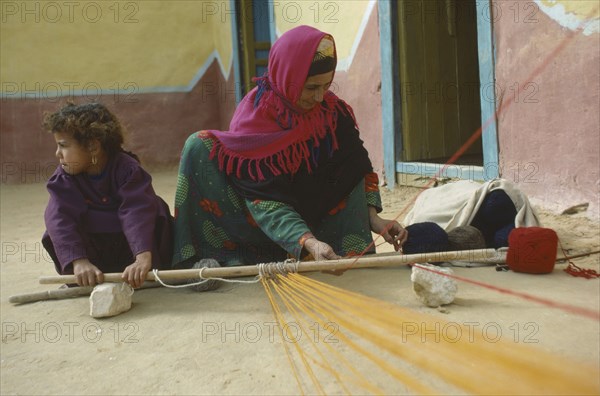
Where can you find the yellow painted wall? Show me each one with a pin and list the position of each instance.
(65, 45)
(341, 19)
(580, 8)
(573, 14)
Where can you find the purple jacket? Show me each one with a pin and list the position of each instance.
(121, 199)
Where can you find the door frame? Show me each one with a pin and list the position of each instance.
(391, 101)
(236, 44)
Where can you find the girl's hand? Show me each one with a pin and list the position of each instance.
(320, 250)
(390, 230)
(135, 274)
(86, 273)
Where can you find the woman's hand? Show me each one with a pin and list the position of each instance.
(135, 274)
(320, 250)
(390, 230)
(86, 273)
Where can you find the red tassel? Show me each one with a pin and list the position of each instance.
(576, 271)
(259, 172)
(579, 272)
(315, 125)
(238, 170)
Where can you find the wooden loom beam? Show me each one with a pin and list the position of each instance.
(490, 255)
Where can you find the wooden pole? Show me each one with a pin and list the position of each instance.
(61, 294)
(57, 294)
(306, 266)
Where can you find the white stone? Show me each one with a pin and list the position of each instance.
(431, 288)
(110, 299)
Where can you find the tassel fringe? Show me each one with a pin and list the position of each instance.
(315, 124)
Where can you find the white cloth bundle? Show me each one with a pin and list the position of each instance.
(456, 204)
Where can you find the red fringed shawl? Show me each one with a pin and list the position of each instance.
(268, 129)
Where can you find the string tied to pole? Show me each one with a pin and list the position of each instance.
(265, 271)
(271, 270)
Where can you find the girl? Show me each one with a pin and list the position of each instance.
(103, 214)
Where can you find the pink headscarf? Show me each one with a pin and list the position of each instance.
(267, 128)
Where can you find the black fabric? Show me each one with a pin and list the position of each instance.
(109, 252)
(323, 65)
(334, 176)
(425, 237)
(497, 212)
(501, 236)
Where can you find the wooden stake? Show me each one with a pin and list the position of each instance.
(57, 294)
(61, 294)
(306, 266)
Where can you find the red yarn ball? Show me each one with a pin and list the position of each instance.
(532, 250)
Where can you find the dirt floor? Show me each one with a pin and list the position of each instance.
(176, 341)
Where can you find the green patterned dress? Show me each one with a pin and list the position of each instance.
(213, 221)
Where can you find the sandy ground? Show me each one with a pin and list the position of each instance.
(176, 341)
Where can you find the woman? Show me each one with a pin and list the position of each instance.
(290, 177)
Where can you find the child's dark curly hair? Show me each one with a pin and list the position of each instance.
(86, 122)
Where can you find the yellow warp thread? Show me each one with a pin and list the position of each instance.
(347, 318)
(313, 304)
(417, 354)
(298, 319)
(304, 358)
(356, 377)
(498, 364)
(475, 366)
(280, 320)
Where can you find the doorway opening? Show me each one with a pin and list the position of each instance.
(439, 81)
